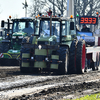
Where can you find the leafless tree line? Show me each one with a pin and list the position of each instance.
(81, 7)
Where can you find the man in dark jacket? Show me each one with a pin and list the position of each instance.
(85, 29)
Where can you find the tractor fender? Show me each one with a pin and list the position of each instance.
(5, 41)
(64, 45)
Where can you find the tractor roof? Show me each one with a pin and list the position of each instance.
(54, 18)
(23, 19)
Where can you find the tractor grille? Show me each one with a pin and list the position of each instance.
(19, 41)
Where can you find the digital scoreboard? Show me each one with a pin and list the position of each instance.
(88, 20)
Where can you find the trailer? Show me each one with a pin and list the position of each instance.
(92, 41)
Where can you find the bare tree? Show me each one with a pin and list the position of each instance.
(81, 7)
(36, 7)
(57, 6)
(87, 7)
(60, 6)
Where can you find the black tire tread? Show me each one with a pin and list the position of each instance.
(4, 47)
(72, 53)
(79, 56)
(1, 48)
(62, 54)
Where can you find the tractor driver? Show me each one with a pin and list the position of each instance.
(54, 30)
(29, 30)
(85, 29)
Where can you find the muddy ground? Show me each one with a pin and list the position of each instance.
(20, 86)
(9, 71)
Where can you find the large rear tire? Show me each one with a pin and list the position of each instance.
(63, 56)
(24, 63)
(80, 57)
(1, 48)
(72, 57)
(4, 47)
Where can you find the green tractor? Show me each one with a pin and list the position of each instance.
(16, 30)
(55, 49)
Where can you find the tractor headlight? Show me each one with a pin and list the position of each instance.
(13, 37)
(20, 37)
(32, 57)
(46, 59)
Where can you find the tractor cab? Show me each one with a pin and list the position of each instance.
(59, 30)
(45, 28)
(21, 28)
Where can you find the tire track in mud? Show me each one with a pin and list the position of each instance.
(48, 85)
(57, 92)
(23, 82)
(53, 82)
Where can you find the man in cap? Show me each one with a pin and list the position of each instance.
(85, 29)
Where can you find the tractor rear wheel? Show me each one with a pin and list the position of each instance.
(80, 57)
(6, 47)
(1, 48)
(72, 57)
(24, 63)
(63, 56)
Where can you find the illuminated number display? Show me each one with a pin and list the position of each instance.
(88, 20)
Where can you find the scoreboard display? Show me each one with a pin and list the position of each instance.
(88, 20)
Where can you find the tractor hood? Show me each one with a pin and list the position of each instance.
(11, 51)
(47, 40)
(17, 40)
(67, 38)
(19, 34)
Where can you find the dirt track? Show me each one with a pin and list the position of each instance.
(9, 71)
(21, 86)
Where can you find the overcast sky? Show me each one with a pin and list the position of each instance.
(12, 8)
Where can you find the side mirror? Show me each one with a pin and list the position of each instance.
(2, 23)
(71, 25)
(26, 25)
